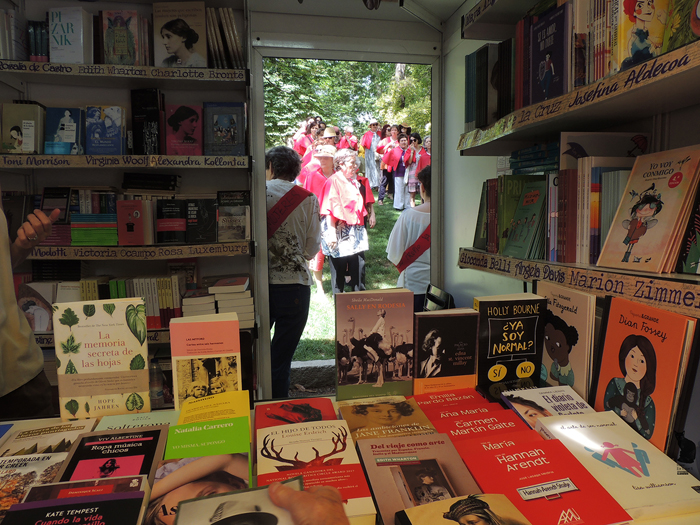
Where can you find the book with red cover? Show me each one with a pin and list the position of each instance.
(502, 442)
(436, 402)
(131, 223)
(455, 412)
(546, 483)
(230, 285)
(482, 424)
(294, 411)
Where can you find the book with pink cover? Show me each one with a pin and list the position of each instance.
(646, 232)
(206, 354)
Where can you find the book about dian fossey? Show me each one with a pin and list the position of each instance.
(101, 356)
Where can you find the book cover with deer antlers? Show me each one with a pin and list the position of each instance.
(374, 343)
(324, 453)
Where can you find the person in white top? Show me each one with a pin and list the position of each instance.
(411, 225)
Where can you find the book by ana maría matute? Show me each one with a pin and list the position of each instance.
(546, 483)
(171, 19)
(511, 334)
(101, 356)
(324, 453)
(533, 403)
(646, 233)
(375, 419)
(683, 25)
(374, 343)
(118, 508)
(19, 473)
(246, 506)
(45, 439)
(493, 506)
(206, 353)
(647, 483)
(643, 363)
(110, 453)
(446, 342)
(568, 337)
(412, 471)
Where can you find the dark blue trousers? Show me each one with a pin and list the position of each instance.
(289, 310)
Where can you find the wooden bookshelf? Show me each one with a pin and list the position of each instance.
(678, 293)
(14, 72)
(671, 81)
(122, 161)
(139, 253)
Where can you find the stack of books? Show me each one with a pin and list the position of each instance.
(232, 295)
(198, 302)
(94, 229)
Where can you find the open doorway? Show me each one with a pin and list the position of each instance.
(345, 95)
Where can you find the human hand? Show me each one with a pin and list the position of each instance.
(372, 220)
(312, 506)
(35, 229)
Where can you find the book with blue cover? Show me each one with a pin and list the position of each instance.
(105, 130)
(64, 131)
(224, 128)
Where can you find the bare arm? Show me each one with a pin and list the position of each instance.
(31, 233)
(313, 506)
(236, 464)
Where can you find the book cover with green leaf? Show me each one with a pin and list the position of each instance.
(101, 357)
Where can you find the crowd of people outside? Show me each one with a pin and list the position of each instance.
(320, 205)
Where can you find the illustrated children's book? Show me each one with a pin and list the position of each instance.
(568, 337)
(683, 25)
(246, 506)
(110, 453)
(374, 343)
(324, 453)
(647, 483)
(19, 473)
(446, 342)
(493, 506)
(526, 227)
(646, 232)
(511, 335)
(101, 356)
(45, 439)
(533, 403)
(375, 419)
(413, 471)
(171, 19)
(640, 31)
(689, 256)
(206, 353)
(643, 364)
(545, 482)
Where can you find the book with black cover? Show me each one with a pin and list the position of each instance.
(171, 221)
(201, 221)
(145, 120)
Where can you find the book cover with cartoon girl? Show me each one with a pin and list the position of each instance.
(568, 337)
(640, 32)
(645, 234)
(643, 361)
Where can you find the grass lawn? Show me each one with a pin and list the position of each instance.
(318, 341)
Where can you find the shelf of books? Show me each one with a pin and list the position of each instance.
(118, 75)
(139, 253)
(481, 19)
(678, 293)
(123, 161)
(669, 80)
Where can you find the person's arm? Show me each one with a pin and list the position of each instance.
(330, 234)
(372, 217)
(312, 506)
(236, 464)
(33, 231)
(313, 236)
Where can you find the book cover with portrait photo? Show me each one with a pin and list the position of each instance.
(179, 34)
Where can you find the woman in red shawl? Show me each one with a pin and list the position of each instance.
(307, 139)
(385, 145)
(343, 234)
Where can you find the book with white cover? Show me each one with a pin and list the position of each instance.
(646, 482)
(533, 403)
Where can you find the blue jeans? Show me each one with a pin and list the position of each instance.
(289, 310)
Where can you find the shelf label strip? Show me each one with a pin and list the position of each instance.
(141, 253)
